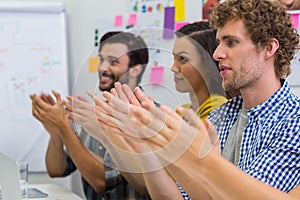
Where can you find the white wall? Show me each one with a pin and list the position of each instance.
(296, 90)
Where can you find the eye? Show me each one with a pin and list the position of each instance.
(101, 59)
(231, 43)
(113, 62)
(182, 59)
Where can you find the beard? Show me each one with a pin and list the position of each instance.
(106, 88)
(243, 79)
(123, 79)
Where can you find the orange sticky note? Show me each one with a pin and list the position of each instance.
(295, 20)
(93, 64)
(179, 10)
(132, 19)
(118, 20)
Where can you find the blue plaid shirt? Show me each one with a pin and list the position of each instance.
(270, 147)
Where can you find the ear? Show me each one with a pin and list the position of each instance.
(135, 70)
(271, 48)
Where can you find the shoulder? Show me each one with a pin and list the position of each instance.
(217, 100)
(230, 107)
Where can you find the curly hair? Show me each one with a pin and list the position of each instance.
(263, 20)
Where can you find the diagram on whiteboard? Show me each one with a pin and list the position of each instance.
(35, 62)
(32, 60)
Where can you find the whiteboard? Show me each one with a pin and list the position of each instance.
(33, 58)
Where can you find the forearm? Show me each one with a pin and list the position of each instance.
(191, 182)
(90, 166)
(126, 163)
(116, 145)
(295, 192)
(55, 157)
(161, 186)
(184, 171)
(233, 183)
(136, 180)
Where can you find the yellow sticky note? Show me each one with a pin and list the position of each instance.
(93, 64)
(179, 10)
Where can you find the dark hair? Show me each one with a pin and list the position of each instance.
(191, 28)
(207, 39)
(206, 43)
(263, 20)
(137, 48)
(209, 44)
(203, 37)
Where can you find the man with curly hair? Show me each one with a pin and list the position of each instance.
(259, 130)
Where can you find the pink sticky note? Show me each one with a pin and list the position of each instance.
(118, 20)
(157, 74)
(180, 24)
(132, 19)
(295, 20)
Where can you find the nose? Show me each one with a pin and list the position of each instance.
(174, 67)
(219, 54)
(103, 65)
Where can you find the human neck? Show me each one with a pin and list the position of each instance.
(260, 92)
(198, 98)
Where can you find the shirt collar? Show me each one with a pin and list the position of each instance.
(273, 102)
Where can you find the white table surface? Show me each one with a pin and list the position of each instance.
(55, 192)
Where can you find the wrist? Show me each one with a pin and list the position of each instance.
(208, 164)
(64, 127)
(66, 133)
(56, 140)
